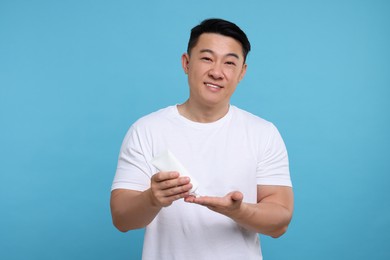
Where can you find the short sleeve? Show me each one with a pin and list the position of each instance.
(133, 171)
(273, 164)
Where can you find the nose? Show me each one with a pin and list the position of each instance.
(216, 72)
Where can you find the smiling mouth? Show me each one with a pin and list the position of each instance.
(213, 86)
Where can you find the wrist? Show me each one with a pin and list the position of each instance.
(241, 213)
(150, 199)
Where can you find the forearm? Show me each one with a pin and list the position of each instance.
(266, 218)
(132, 209)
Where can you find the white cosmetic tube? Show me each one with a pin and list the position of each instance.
(167, 162)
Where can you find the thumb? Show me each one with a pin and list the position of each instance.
(236, 196)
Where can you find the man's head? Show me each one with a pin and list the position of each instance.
(221, 27)
(215, 64)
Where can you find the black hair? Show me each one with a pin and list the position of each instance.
(222, 27)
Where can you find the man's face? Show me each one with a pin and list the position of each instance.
(215, 66)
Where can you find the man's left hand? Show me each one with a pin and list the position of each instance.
(228, 205)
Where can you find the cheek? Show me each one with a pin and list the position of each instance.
(233, 76)
(194, 81)
(195, 74)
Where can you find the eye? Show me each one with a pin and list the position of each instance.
(206, 59)
(230, 63)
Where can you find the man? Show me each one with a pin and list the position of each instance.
(238, 159)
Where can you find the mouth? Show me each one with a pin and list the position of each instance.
(213, 86)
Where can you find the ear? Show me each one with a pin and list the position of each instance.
(185, 60)
(243, 71)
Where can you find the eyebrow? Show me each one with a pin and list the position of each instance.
(232, 54)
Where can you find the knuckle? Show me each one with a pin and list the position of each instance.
(174, 191)
(166, 184)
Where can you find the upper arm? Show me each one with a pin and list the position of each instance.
(280, 195)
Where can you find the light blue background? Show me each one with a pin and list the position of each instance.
(74, 75)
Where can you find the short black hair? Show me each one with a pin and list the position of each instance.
(219, 26)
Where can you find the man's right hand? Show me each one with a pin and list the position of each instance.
(133, 209)
(166, 187)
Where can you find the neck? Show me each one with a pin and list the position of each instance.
(202, 114)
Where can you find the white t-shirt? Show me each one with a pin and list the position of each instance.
(237, 152)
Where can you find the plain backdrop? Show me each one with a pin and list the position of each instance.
(74, 75)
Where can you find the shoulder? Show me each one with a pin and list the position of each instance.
(155, 118)
(254, 126)
(150, 123)
(148, 126)
(249, 119)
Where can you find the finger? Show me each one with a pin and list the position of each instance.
(237, 196)
(173, 183)
(205, 201)
(177, 190)
(166, 197)
(190, 198)
(175, 197)
(163, 176)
